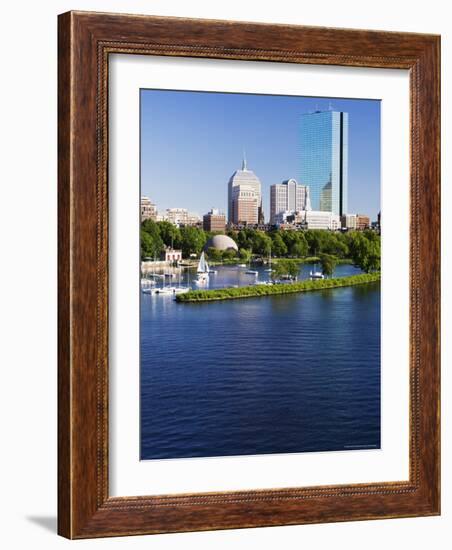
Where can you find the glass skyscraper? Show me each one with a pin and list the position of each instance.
(323, 159)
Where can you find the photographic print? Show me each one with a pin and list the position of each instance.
(260, 274)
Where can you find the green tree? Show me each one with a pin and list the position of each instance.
(151, 242)
(245, 255)
(328, 263)
(365, 250)
(150, 248)
(374, 259)
(151, 227)
(334, 243)
(315, 239)
(371, 235)
(229, 254)
(284, 268)
(279, 248)
(261, 243)
(289, 238)
(170, 234)
(214, 254)
(300, 247)
(192, 240)
(296, 243)
(147, 245)
(245, 238)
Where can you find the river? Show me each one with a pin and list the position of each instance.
(276, 374)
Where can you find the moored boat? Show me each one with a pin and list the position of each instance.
(146, 283)
(316, 275)
(181, 289)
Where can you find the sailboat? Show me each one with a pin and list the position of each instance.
(203, 271)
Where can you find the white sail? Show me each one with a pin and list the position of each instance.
(203, 266)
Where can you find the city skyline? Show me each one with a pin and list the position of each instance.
(201, 136)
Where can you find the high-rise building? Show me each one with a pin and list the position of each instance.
(286, 198)
(248, 180)
(214, 221)
(148, 209)
(323, 159)
(245, 205)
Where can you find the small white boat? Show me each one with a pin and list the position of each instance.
(213, 271)
(154, 291)
(288, 278)
(316, 275)
(252, 272)
(181, 289)
(165, 290)
(148, 290)
(241, 265)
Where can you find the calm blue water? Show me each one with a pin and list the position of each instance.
(277, 374)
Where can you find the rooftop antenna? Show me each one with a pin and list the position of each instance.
(244, 161)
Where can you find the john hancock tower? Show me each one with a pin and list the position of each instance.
(323, 159)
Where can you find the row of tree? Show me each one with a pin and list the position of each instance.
(363, 248)
(155, 236)
(299, 244)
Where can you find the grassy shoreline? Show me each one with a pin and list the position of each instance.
(196, 296)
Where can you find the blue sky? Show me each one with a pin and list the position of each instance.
(191, 143)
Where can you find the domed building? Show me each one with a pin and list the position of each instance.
(221, 242)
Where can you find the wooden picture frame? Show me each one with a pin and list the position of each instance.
(85, 42)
